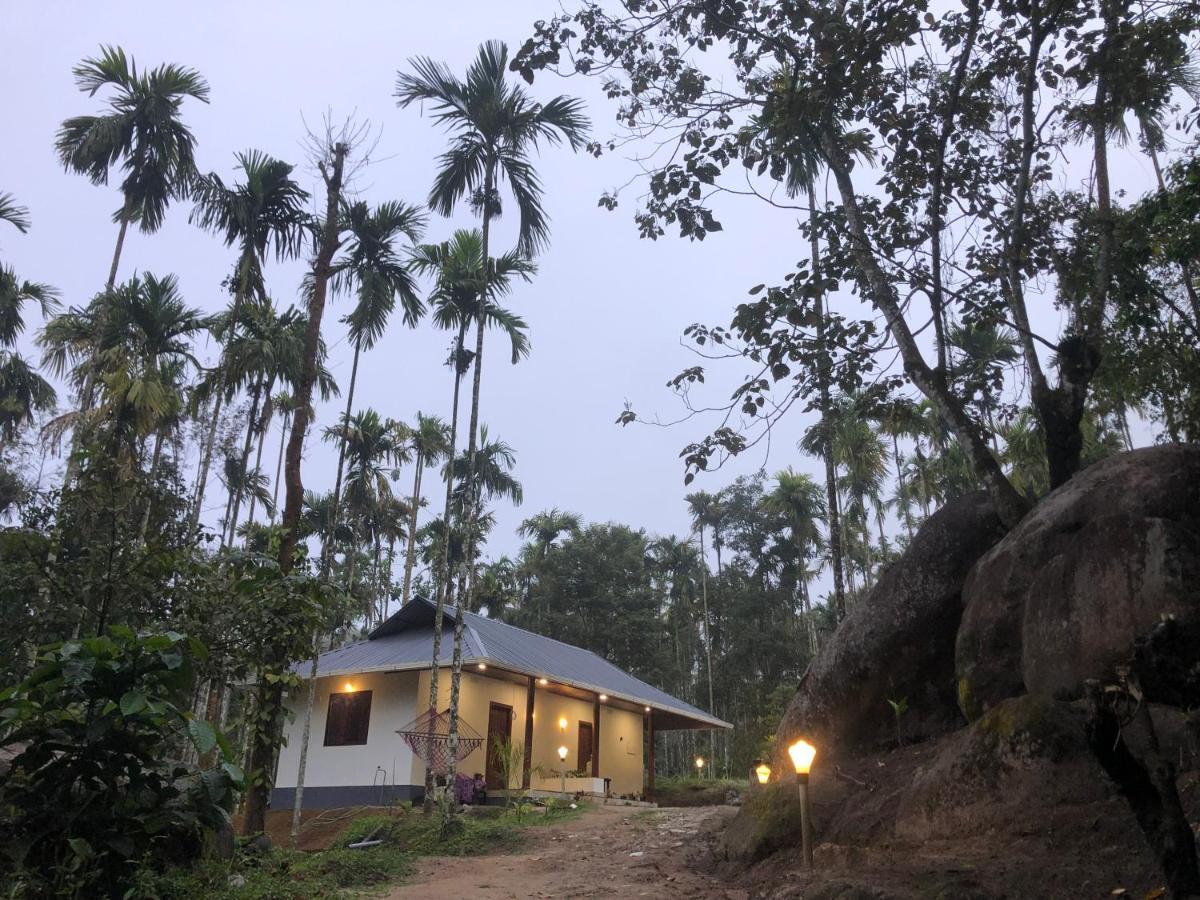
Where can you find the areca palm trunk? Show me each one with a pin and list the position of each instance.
(831, 491)
(262, 438)
(283, 429)
(443, 568)
(329, 545)
(211, 439)
(158, 442)
(707, 634)
(411, 553)
(464, 602)
(247, 444)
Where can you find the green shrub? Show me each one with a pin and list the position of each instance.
(89, 794)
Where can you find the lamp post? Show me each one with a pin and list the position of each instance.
(761, 771)
(699, 766)
(562, 768)
(802, 754)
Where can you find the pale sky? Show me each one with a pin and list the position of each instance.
(606, 310)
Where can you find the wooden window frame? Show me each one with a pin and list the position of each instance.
(354, 695)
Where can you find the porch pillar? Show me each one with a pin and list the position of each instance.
(527, 763)
(650, 756)
(596, 736)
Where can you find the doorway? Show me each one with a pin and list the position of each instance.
(499, 729)
(584, 755)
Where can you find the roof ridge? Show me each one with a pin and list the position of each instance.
(544, 637)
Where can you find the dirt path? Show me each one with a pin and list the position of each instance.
(611, 851)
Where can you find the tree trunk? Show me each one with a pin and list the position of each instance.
(1148, 785)
(1010, 506)
(262, 439)
(329, 546)
(411, 553)
(443, 569)
(283, 430)
(267, 736)
(211, 439)
(831, 494)
(158, 442)
(469, 507)
(247, 444)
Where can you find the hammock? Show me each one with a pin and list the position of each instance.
(429, 737)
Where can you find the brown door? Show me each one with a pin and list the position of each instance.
(499, 730)
(585, 748)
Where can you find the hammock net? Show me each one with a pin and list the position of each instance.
(429, 737)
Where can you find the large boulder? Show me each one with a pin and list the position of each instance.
(897, 643)
(1094, 566)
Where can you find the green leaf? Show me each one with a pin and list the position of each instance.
(132, 703)
(202, 734)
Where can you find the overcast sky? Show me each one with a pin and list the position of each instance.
(605, 311)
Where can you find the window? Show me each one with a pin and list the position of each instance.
(349, 716)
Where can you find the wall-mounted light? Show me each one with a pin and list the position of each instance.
(481, 667)
(603, 698)
(647, 709)
(543, 682)
(349, 688)
(562, 724)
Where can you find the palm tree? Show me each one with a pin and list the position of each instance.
(265, 348)
(430, 444)
(900, 418)
(13, 213)
(859, 452)
(140, 336)
(544, 529)
(774, 134)
(265, 211)
(679, 566)
(465, 290)
(492, 477)
(375, 271)
(495, 125)
(797, 498)
(23, 392)
(703, 509)
(141, 129)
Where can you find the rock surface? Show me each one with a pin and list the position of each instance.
(1095, 565)
(897, 643)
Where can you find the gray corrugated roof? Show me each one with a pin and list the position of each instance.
(405, 641)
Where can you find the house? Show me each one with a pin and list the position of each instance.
(516, 685)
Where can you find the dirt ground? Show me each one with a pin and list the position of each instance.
(611, 851)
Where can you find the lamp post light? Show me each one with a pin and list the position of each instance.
(762, 771)
(699, 766)
(802, 754)
(562, 769)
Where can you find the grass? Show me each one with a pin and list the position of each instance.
(692, 791)
(283, 874)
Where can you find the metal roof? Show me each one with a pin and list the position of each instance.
(405, 642)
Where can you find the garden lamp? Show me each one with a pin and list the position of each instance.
(700, 766)
(762, 771)
(802, 754)
(562, 760)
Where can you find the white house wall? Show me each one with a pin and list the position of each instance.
(340, 776)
